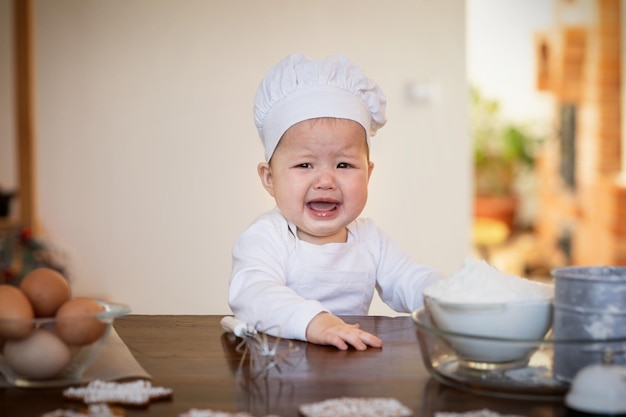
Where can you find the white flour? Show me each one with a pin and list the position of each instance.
(480, 282)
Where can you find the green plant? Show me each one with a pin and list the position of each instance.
(503, 150)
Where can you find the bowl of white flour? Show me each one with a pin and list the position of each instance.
(488, 314)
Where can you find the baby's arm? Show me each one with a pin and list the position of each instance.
(258, 292)
(327, 329)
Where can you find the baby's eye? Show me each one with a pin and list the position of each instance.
(304, 165)
(343, 165)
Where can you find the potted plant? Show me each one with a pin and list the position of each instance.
(503, 155)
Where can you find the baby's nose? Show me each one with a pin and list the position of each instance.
(325, 180)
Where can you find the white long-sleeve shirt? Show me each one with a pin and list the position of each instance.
(279, 282)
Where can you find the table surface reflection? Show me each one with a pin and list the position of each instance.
(195, 357)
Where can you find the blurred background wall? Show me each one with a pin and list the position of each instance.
(146, 148)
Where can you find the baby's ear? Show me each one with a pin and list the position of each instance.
(265, 174)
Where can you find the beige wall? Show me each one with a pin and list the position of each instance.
(147, 150)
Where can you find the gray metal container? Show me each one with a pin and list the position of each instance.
(589, 311)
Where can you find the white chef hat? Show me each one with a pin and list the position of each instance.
(299, 88)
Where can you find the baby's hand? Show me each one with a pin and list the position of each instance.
(327, 329)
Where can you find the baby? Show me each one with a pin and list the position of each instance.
(311, 259)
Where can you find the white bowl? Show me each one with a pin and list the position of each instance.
(533, 380)
(486, 322)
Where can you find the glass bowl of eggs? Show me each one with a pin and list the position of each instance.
(48, 337)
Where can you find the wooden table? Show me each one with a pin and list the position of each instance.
(192, 355)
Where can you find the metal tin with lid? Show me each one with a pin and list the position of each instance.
(589, 305)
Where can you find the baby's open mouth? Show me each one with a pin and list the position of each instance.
(323, 206)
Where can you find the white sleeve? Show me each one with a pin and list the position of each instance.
(258, 294)
(400, 279)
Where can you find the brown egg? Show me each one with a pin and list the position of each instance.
(76, 321)
(47, 290)
(16, 313)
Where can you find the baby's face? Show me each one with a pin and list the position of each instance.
(318, 176)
